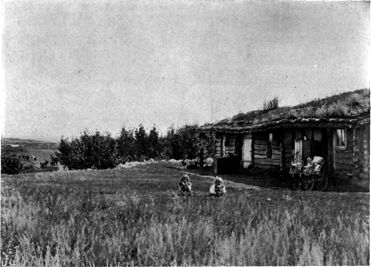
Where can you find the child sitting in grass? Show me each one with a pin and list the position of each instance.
(185, 185)
(218, 188)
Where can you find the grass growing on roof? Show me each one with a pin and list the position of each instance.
(345, 105)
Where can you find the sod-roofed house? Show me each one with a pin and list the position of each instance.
(336, 128)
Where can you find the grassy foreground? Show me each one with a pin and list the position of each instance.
(133, 217)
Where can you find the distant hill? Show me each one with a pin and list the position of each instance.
(32, 152)
(28, 143)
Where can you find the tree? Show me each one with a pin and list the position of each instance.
(88, 151)
(172, 144)
(154, 146)
(126, 145)
(65, 154)
(141, 142)
(182, 143)
(104, 151)
(11, 164)
(189, 141)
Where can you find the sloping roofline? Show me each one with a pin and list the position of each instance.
(341, 110)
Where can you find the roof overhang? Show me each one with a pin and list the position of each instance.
(288, 123)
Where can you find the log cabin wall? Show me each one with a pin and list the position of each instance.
(218, 145)
(344, 165)
(225, 144)
(288, 148)
(352, 162)
(362, 153)
(266, 154)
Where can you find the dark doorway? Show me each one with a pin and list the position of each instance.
(319, 143)
(309, 143)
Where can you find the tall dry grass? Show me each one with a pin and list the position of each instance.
(61, 226)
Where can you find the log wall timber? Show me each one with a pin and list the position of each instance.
(362, 152)
(261, 157)
(225, 144)
(218, 146)
(288, 148)
(344, 165)
(352, 164)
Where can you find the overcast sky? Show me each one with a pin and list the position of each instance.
(71, 65)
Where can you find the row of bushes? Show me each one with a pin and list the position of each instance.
(102, 151)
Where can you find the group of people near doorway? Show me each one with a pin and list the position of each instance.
(217, 188)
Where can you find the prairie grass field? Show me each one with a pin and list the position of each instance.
(122, 217)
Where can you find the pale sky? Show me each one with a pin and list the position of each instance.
(70, 65)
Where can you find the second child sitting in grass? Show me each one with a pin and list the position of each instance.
(185, 186)
(218, 188)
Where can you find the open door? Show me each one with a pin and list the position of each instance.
(246, 151)
(310, 143)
